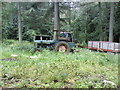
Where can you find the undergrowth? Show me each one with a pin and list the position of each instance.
(48, 69)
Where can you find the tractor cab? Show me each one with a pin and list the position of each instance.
(65, 36)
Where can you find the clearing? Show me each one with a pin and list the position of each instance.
(20, 67)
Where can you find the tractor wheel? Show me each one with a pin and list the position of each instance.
(62, 47)
(37, 50)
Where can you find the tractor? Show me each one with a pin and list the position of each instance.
(62, 43)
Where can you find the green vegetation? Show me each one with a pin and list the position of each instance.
(87, 20)
(20, 67)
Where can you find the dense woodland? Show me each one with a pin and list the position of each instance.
(87, 21)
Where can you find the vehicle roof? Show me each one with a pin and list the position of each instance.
(44, 35)
(66, 31)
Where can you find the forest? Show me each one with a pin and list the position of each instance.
(23, 66)
(87, 21)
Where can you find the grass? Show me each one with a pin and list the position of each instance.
(83, 69)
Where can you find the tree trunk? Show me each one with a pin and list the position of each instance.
(100, 23)
(1, 22)
(19, 22)
(56, 20)
(69, 17)
(87, 26)
(111, 21)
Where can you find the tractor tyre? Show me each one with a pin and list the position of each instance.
(37, 50)
(62, 47)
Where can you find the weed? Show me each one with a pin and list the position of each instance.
(84, 69)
